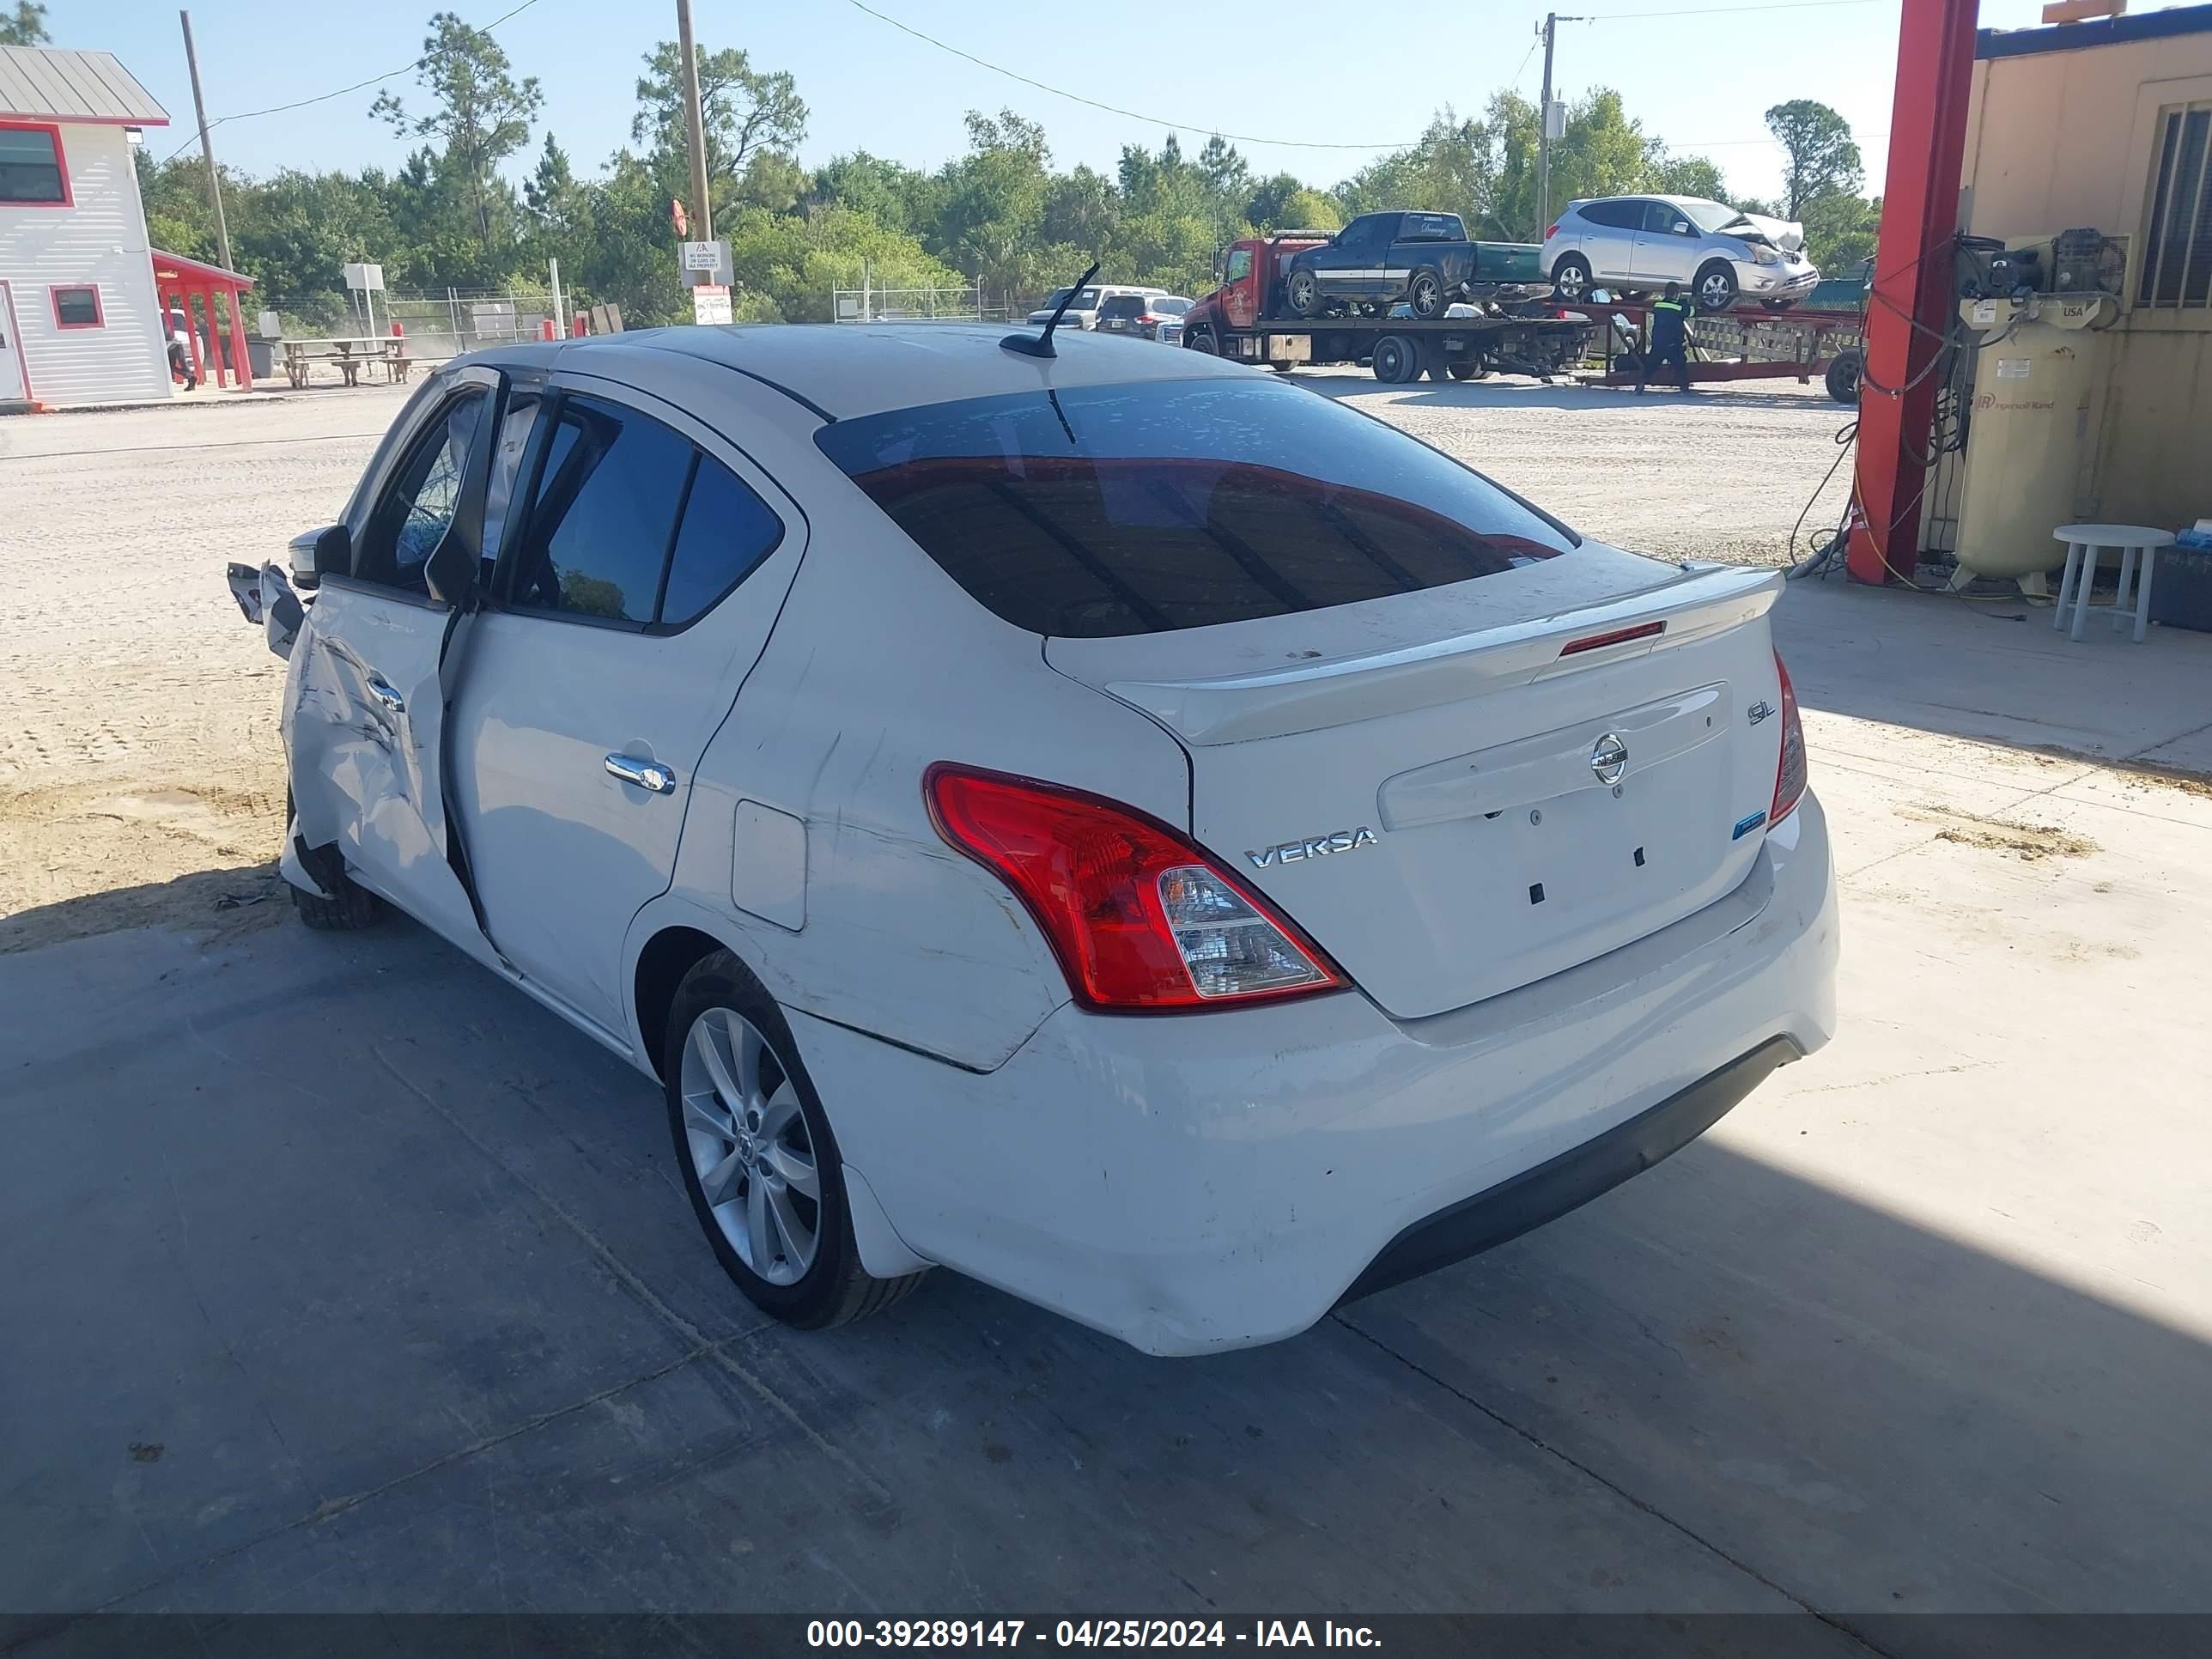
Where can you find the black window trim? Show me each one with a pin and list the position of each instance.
(517, 529)
(492, 388)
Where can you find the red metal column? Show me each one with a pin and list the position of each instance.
(192, 333)
(240, 359)
(1912, 285)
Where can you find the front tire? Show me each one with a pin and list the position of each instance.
(1302, 294)
(1715, 288)
(1473, 369)
(348, 908)
(757, 1157)
(1570, 279)
(1202, 341)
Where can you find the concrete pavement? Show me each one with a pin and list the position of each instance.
(342, 1277)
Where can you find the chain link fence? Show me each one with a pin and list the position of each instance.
(931, 304)
(438, 324)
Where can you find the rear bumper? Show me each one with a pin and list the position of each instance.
(1205, 1183)
(1570, 1181)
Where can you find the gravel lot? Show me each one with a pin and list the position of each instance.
(141, 757)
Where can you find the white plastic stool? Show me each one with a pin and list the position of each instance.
(2138, 547)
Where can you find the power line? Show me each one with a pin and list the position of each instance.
(1135, 115)
(325, 97)
(1718, 11)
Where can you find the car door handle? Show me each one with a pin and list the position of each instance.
(645, 774)
(383, 692)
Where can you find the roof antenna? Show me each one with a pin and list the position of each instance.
(1041, 345)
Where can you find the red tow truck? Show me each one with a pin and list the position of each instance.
(1508, 329)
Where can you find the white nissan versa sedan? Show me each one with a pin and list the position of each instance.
(1114, 824)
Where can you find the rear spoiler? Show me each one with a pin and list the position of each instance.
(1703, 601)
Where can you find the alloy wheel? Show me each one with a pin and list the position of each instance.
(1717, 292)
(751, 1147)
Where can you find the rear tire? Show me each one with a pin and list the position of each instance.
(1282, 368)
(1842, 378)
(1302, 292)
(1424, 293)
(1473, 369)
(1395, 360)
(749, 1120)
(1570, 279)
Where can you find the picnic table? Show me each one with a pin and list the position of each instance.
(348, 357)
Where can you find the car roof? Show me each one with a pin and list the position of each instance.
(845, 369)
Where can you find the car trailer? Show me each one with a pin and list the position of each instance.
(1401, 350)
(1747, 343)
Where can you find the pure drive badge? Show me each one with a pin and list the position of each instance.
(1291, 852)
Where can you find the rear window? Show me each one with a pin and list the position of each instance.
(1433, 228)
(1172, 306)
(1100, 511)
(1122, 305)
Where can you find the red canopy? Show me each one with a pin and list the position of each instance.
(177, 280)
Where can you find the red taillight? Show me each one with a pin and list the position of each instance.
(1789, 770)
(1139, 917)
(1552, 231)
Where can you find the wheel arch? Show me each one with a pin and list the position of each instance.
(667, 953)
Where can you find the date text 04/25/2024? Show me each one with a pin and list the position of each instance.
(931, 1633)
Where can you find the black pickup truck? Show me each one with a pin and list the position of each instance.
(1423, 259)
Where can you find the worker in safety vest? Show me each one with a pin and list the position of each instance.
(1670, 337)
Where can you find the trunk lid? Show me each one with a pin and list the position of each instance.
(1463, 790)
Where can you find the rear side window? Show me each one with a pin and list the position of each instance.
(1141, 508)
(726, 531)
(630, 523)
(1615, 215)
(608, 492)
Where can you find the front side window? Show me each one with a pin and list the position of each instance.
(609, 488)
(419, 507)
(1145, 507)
(1240, 265)
(1363, 234)
(77, 306)
(31, 167)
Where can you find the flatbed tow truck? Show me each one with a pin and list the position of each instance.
(1508, 327)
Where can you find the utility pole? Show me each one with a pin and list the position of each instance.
(207, 149)
(694, 127)
(1551, 20)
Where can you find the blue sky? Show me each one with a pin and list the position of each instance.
(1699, 81)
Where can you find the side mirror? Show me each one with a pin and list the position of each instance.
(329, 552)
(451, 572)
(1681, 227)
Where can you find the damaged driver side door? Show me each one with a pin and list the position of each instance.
(372, 671)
